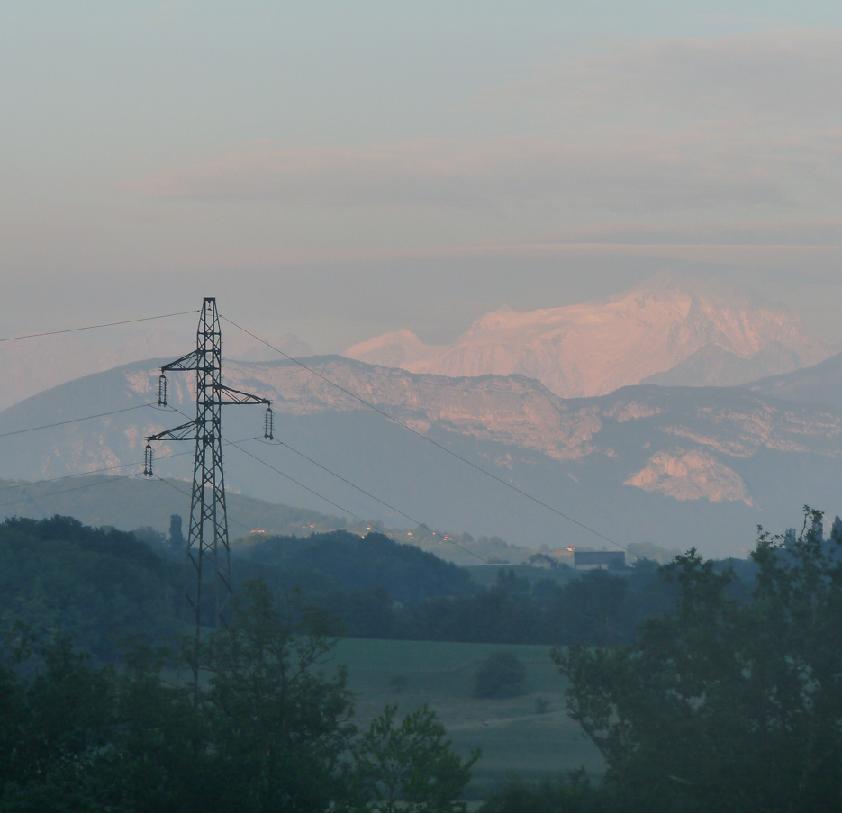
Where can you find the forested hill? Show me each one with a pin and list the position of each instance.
(705, 464)
(101, 587)
(104, 587)
(127, 503)
(340, 561)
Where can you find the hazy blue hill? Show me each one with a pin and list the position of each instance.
(105, 588)
(713, 365)
(674, 466)
(818, 384)
(133, 502)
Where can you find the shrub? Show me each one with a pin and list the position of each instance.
(501, 675)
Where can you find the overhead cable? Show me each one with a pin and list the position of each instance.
(93, 327)
(394, 419)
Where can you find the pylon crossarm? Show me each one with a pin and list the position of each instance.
(232, 396)
(184, 432)
(190, 361)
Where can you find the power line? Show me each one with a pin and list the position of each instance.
(98, 471)
(101, 469)
(366, 403)
(236, 444)
(339, 477)
(365, 492)
(76, 420)
(103, 482)
(332, 383)
(94, 327)
(296, 482)
(189, 494)
(84, 474)
(291, 448)
(87, 418)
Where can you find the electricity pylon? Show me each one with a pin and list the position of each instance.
(207, 539)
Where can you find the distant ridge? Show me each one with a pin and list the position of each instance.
(663, 330)
(677, 466)
(817, 384)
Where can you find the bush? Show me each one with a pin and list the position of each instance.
(409, 765)
(501, 675)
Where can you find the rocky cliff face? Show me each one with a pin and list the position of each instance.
(595, 348)
(686, 446)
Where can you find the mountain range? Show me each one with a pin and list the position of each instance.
(672, 465)
(663, 331)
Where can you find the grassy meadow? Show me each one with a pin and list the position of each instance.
(514, 734)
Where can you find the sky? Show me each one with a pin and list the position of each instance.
(333, 170)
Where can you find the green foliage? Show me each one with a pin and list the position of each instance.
(345, 563)
(591, 608)
(501, 675)
(409, 766)
(270, 730)
(725, 704)
(100, 587)
(104, 587)
(279, 728)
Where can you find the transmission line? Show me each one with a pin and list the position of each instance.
(104, 482)
(394, 419)
(188, 494)
(280, 443)
(236, 445)
(93, 327)
(76, 420)
(111, 468)
(98, 471)
(394, 509)
(296, 482)
(348, 392)
(334, 474)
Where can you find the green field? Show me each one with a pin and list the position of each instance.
(513, 736)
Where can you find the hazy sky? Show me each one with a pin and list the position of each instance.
(336, 169)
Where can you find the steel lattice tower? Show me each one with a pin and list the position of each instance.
(207, 540)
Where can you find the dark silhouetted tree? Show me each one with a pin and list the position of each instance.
(726, 704)
(409, 765)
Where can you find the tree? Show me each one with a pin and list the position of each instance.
(501, 675)
(726, 704)
(270, 729)
(409, 766)
(280, 728)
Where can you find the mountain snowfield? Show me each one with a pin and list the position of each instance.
(662, 329)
